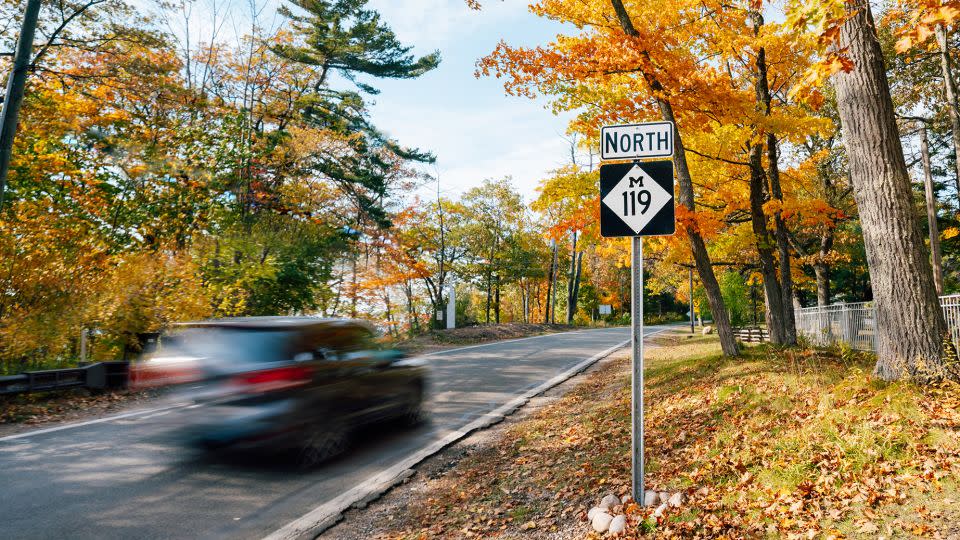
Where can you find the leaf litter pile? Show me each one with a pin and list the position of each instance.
(776, 444)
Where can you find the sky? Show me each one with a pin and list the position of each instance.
(473, 128)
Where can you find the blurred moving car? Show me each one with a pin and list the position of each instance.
(299, 383)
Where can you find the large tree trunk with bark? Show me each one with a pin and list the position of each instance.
(909, 321)
(701, 258)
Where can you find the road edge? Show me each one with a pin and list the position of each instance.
(327, 515)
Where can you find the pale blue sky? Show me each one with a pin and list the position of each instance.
(475, 130)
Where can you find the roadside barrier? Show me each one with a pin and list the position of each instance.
(98, 376)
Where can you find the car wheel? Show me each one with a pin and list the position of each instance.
(322, 444)
(413, 413)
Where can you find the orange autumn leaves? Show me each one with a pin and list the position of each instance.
(703, 55)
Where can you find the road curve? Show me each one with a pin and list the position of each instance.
(127, 477)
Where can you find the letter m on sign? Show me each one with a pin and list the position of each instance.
(636, 181)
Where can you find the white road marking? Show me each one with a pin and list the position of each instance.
(445, 351)
(327, 514)
(91, 422)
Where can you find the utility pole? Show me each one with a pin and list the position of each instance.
(15, 86)
(931, 213)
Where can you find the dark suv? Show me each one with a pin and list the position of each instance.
(298, 383)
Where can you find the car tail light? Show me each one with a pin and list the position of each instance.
(154, 375)
(271, 380)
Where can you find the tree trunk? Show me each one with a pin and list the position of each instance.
(571, 278)
(953, 108)
(16, 83)
(525, 301)
(701, 258)
(533, 296)
(390, 326)
(548, 303)
(555, 270)
(489, 294)
(783, 245)
(787, 331)
(908, 317)
(822, 272)
(685, 197)
(496, 304)
(411, 312)
(931, 213)
(768, 268)
(575, 293)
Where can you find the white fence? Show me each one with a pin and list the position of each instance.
(855, 323)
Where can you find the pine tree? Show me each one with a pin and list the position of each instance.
(344, 37)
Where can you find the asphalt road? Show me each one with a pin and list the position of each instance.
(129, 477)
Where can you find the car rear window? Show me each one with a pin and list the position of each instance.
(231, 345)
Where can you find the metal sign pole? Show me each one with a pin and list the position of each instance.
(636, 387)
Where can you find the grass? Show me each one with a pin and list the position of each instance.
(776, 443)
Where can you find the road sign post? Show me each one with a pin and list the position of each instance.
(636, 384)
(636, 200)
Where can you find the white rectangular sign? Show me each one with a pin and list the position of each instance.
(605, 309)
(632, 141)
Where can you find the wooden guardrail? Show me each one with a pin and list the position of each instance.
(751, 334)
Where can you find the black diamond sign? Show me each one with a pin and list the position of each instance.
(636, 199)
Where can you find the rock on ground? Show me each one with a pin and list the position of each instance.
(609, 501)
(660, 510)
(593, 512)
(601, 521)
(618, 524)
